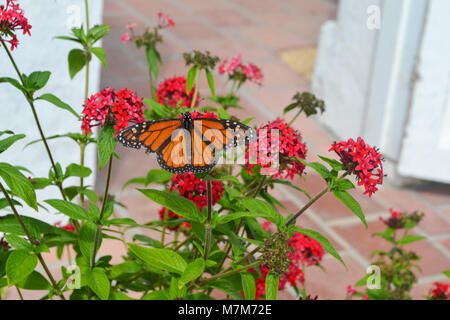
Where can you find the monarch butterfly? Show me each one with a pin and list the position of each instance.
(186, 144)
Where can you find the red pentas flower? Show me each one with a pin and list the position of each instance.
(305, 252)
(170, 91)
(277, 140)
(440, 291)
(117, 107)
(190, 187)
(361, 160)
(12, 19)
(240, 72)
(164, 21)
(68, 227)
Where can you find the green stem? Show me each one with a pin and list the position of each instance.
(105, 197)
(30, 239)
(87, 14)
(20, 293)
(306, 206)
(229, 273)
(163, 233)
(189, 238)
(152, 91)
(82, 151)
(208, 226)
(33, 109)
(295, 117)
(197, 85)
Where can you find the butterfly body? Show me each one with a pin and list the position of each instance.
(186, 144)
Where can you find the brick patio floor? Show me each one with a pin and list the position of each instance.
(259, 30)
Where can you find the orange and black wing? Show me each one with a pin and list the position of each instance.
(175, 156)
(152, 135)
(212, 136)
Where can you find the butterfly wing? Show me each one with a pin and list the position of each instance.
(180, 150)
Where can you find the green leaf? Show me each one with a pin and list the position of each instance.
(264, 209)
(19, 265)
(35, 281)
(160, 110)
(13, 82)
(177, 204)
(322, 240)
(410, 238)
(190, 79)
(344, 184)
(237, 215)
(98, 31)
(37, 80)
(106, 145)
(19, 243)
(98, 281)
(192, 271)
(217, 177)
(223, 114)
(8, 142)
(336, 165)
(75, 170)
(447, 273)
(9, 224)
(248, 284)
(57, 102)
(87, 238)
(101, 55)
(163, 259)
(157, 176)
(271, 287)
(18, 184)
(227, 287)
(68, 38)
(156, 295)
(152, 60)
(350, 203)
(68, 208)
(318, 167)
(290, 107)
(210, 79)
(77, 60)
(4, 203)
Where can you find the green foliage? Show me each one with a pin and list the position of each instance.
(215, 249)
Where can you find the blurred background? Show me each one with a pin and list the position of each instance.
(381, 66)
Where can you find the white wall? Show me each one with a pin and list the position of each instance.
(390, 85)
(49, 18)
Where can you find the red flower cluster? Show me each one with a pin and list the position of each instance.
(115, 107)
(68, 227)
(305, 252)
(236, 70)
(12, 19)
(265, 149)
(194, 189)
(362, 160)
(440, 292)
(164, 21)
(170, 91)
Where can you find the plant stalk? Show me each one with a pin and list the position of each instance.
(197, 85)
(208, 226)
(105, 197)
(30, 239)
(33, 109)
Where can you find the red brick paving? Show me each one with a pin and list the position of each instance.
(258, 29)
